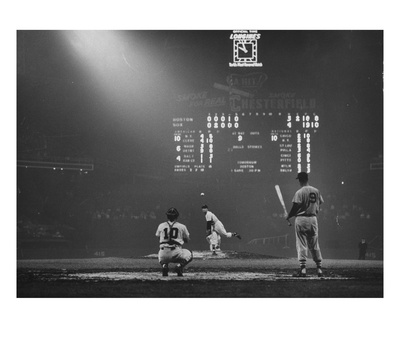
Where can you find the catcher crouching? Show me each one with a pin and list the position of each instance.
(172, 236)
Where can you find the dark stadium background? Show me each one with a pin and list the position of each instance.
(107, 98)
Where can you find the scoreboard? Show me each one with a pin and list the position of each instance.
(244, 142)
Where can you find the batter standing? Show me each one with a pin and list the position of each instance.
(172, 237)
(215, 225)
(306, 205)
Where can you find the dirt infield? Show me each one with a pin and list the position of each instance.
(229, 274)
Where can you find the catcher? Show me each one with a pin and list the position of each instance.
(172, 237)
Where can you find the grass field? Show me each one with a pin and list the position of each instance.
(229, 275)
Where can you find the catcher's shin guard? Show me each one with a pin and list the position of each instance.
(179, 270)
(165, 270)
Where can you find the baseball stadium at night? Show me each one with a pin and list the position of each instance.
(115, 127)
(199, 163)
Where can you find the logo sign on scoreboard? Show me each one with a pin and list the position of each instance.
(245, 48)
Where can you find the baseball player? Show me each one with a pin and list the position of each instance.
(306, 205)
(172, 237)
(215, 225)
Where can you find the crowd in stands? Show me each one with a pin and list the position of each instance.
(122, 212)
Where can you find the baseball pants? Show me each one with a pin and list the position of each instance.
(306, 229)
(220, 229)
(174, 255)
(214, 240)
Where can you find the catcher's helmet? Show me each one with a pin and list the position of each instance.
(173, 212)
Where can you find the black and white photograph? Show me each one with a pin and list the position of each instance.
(257, 156)
(200, 165)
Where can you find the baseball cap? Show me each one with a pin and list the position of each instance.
(302, 176)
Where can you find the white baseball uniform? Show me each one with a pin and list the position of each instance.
(172, 237)
(217, 225)
(306, 224)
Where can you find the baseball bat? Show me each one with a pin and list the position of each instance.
(279, 193)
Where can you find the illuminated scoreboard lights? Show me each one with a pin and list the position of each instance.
(223, 121)
(189, 157)
(244, 135)
(283, 137)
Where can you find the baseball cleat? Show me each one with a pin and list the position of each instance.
(319, 272)
(165, 270)
(179, 270)
(214, 253)
(237, 235)
(300, 273)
